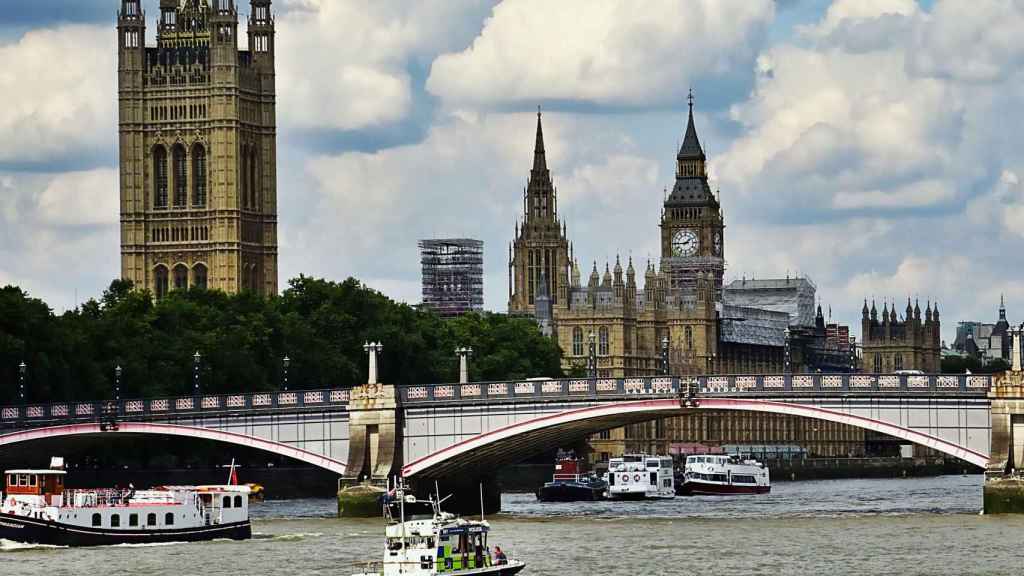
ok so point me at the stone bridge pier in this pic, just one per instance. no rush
(1004, 476)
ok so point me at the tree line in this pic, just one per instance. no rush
(242, 339)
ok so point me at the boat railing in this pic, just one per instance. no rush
(569, 477)
(80, 498)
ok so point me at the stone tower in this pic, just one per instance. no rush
(197, 148)
(540, 251)
(692, 256)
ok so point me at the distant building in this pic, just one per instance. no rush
(453, 270)
(794, 296)
(891, 344)
(981, 340)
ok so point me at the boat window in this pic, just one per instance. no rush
(22, 480)
(238, 501)
(169, 519)
(115, 520)
(151, 519)
(96, 520)
(742, 479)
(227, 502)
(133, 520)
(33, 480)
(653, 464)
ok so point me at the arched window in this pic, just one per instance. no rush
(898, 362)
(602, 341)
(238, 501)
(151, 519)
(133, 519)
(160, 281)
(160, 177)
(199, 276)
(227, 502)
(180, 277)
(97, 520)
(243, 178)
(198, 175)
(169, 519)
(878, 363)
(577, 341)
(115, 520)
(180, 176)
(689, 338)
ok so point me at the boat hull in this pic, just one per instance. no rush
(569, 492)
(35, 531)
(509, 569)
(707, 489)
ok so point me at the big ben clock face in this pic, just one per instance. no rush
(685, 243)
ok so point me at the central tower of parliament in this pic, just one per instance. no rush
(197, 148)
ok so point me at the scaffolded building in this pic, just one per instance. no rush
(453, 275)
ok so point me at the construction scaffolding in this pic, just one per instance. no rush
(453, 275)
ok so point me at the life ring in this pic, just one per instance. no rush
(636, 477)
(625, 477)
(10, 501)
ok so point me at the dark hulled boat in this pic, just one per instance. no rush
(569, 485)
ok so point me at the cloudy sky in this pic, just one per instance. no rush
(874, 145)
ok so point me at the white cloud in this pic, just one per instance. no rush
(58, 93)
(343, 64)
(600, 50)
(81, 199)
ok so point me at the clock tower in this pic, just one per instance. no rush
(692, 242)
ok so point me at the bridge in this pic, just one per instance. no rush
(310, 426)
(463, 432)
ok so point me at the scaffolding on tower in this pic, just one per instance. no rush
(453, 275)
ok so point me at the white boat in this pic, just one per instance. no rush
(421, 540)
(713, 474)
(38, 509)
(640, 476)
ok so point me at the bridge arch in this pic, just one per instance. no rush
(278, 448)
(518, 441)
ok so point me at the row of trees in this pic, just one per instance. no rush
(319, 325)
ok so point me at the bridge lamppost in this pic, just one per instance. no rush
(372, 348)
(196, 359)
(464, 353)
(285, 362)
(117, 383)
(786, 369)
(592, 356)
(664, 356)
(22, 370)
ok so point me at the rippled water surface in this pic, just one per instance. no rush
(912, 526)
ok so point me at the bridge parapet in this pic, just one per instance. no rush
(32, 414)
(760, 385)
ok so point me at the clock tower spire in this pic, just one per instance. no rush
(691, 222)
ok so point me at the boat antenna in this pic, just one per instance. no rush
(401, 507)
(481, 501)
(231, 472)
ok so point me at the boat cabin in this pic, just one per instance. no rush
(45, 485)
(462, 547)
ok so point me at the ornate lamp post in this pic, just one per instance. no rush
(117, 383)
(664, 356)
(196, 359)
(464, 353)
(22, 370)
(372, 348)
(592, 356)
(787, 365)
(285, 362)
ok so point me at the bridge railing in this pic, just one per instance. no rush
(764, 385)
(156, 407)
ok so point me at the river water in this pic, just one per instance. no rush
(830, 527)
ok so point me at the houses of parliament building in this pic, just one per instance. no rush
(681, 313)
(197, 148)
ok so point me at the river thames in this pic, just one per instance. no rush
(907, 527)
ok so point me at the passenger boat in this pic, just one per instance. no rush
(422, 540)
(708, 474)
(568, 484)
(640, 476)
(38, 509)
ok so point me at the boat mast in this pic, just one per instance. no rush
(401, 507)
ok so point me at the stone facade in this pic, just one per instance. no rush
(197, 148)
(891, 344)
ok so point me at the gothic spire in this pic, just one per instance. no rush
(540, 163)
(691, 148)
(1002, 308)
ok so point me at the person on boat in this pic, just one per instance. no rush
(499, 556)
